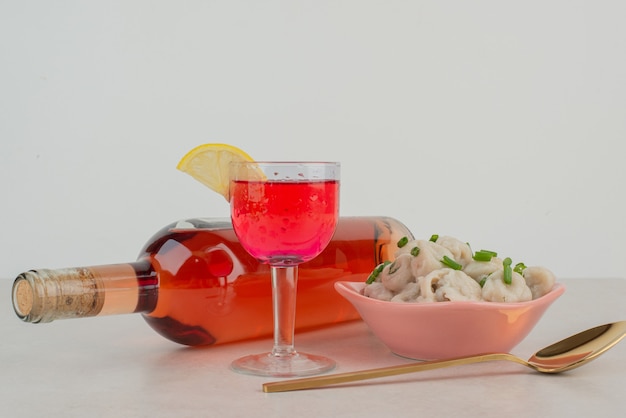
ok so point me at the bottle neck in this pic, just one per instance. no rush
(45, 295)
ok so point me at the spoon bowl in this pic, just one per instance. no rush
(561, 356)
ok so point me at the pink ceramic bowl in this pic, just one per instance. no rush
(440, 330)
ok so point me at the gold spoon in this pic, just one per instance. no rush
(564, 355)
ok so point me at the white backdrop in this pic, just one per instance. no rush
(499, 122)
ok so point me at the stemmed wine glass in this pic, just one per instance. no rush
(284, 214)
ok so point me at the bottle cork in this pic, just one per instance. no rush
(46, 295)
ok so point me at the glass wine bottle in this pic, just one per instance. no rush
(195, 285)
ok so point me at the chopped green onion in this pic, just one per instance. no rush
(403, 241)
(451, 263)
(519, 268)
(415, 251)
(434, 238)
(508, 271)
(483, 255)
(374, 275)
(371, 278)
(493, 253)
(482, 281)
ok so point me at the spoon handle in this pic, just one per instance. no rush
(320, 381)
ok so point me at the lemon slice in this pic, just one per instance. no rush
(208, 164)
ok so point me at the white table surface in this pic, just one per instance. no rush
(119, 367)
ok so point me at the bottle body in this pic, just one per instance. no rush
(195, 284)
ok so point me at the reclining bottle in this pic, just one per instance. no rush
(195, 285)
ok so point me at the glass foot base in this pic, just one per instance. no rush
(297, 364)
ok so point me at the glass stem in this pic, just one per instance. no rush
(284, 285)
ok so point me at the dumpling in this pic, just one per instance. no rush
(409, 294)
(495, 290)
(448, 285)
(477, 270)
(377, 290)
(427, 259)
(461, 251)
(540, 280)
(396, 275)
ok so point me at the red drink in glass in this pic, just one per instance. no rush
(284, 222)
